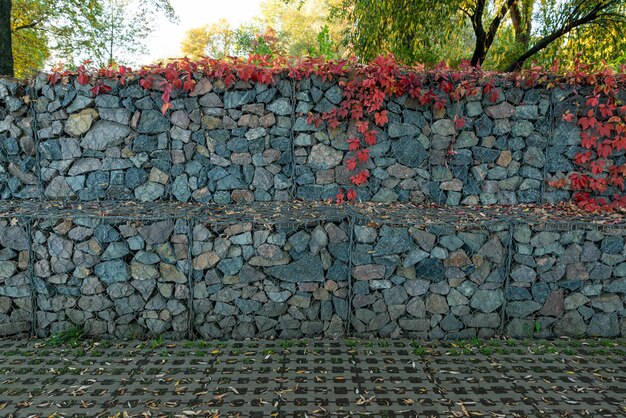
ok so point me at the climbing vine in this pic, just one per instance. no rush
(597, 184)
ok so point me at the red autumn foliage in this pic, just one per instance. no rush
(368, 88)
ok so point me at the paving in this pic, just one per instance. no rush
(314, 378)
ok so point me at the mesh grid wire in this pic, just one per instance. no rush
(15, 286)
(428, 275)
(399, 162)
(18, 163)
(220, 145)
(302, 269)
(112, 277)
(567, 280)
(271, 276)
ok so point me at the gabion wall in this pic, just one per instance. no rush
(300, 270)
(567, 281)
(251, 142)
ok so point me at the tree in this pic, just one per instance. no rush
(71, 30)
(428, 30)
(122, 30)
(38, 26)
(414, 31)
(216, 40)
(599, 18)
(299, 25)
(6, 44)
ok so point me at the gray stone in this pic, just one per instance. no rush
(105, 134)
(444, 127)
(397, 130)
(14, 237)
(323, 157)
(307, 268)
(393, 241)
(112, 271)
(409, 152)
(230, 266)
(487, 300)
(152, 122)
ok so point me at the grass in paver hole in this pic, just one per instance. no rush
(71, 337)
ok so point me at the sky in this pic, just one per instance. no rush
(165, 41)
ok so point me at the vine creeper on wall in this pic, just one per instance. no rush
(598, 184)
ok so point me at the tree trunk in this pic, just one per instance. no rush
(6, 44)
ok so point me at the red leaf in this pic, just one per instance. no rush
(165, 107)
(83, 79)
(351, 194)
(146, 83)
(459, 123)
(597, 166)
(351, 164)
(604, 150)
(363, 155)
(381, 118)
(354, 144)
(340, 198)
(567, 116)
(579, 181)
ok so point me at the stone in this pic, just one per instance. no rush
(112, 271)
(523, 274)
(502, 110)
(392, 241)
(79, 123)
(323, 157)
(409, 152)
(612, 245)
(105, 134)
(602, 325)
(171, 273)
(141, 271)
(416, 287)
(444, 127)
(156, 232)
(14, 237)
(575, 301)
(436, 304)
(368, 272)
(424, 239)
(487, 300)
(280, 107)
(58, 188)
(521, 309)
(152, 122)
(397, 130)
(554, 305)
(205, 260)
(307, 268)
(522, 128)
(571, 325)
(149, 191)
(607, 302)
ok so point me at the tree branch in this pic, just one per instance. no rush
(594, 14)
(26, 26)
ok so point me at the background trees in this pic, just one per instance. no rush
(504, 34)
(72, 30)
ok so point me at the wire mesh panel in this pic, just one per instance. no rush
(567, 279)
(112, 277)
(15, 286)
(498, 157)
(114, 146)
(236, 146)
(284, 278)
(422, 274)
(18, 175)
(398, 163)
